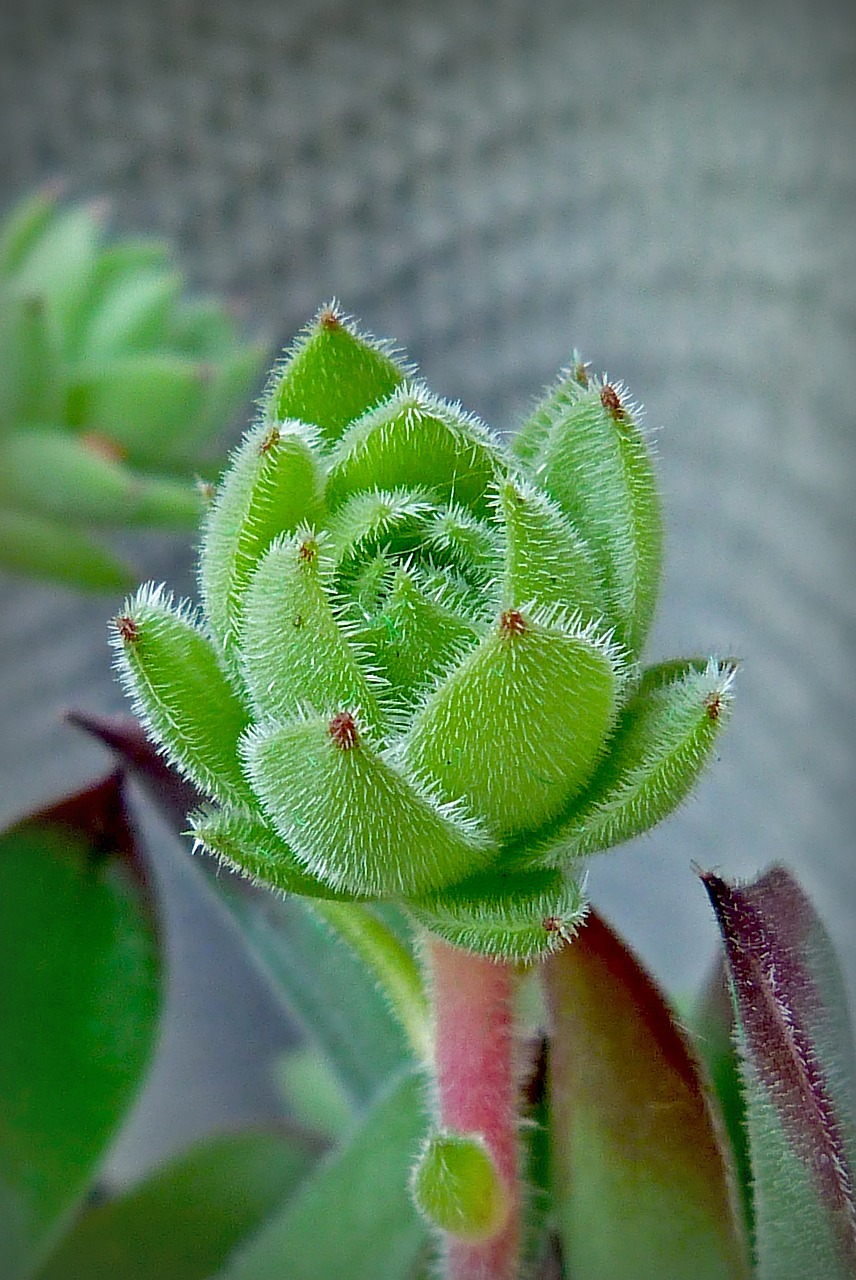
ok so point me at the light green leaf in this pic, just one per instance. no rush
(517, 728)
(352, 1217)
(331, 375)
(79, 1005)
(181, 693)
(664, 737)
(351, 817)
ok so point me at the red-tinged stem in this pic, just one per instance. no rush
(477, 1088)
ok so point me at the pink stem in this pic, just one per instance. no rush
(477, 1088)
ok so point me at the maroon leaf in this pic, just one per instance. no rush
(797, 1067)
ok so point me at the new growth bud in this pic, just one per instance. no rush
(415, 675)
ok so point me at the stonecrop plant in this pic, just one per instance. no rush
(416, 677)
(113, 384)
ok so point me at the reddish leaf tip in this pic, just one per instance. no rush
(611, 401)
(127, 628)
(512, 623)
(343, 730)
(270, 441)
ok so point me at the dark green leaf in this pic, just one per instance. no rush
(79, 1003)
(184, 1220)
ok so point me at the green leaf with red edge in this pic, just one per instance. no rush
(80, 988)
(184, 1220)
(799, 1076)
(642, 1183)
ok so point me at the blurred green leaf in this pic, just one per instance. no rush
(799, 1076)
(352, 1217)
(642, 1187)
(47, 549)
(79, 1005)
(182, 1222)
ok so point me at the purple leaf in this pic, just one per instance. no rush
(797, 1071)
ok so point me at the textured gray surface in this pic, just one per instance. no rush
(670, 188)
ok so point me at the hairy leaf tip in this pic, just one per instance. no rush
(611, 401)
(512, 623)
(127, 628)
(270, 441)
(343, 730)
(329, 319)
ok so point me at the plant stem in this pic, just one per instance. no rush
(477, 1088)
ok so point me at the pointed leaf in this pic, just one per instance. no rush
(415, 441)
(797, 1065)
(133, 314)
(331, 376)
(243, 841)
(594, 462)
(351, 817)
(52, 473)
(642, 1186)
(271, 487)
(146, 402)
(546, 560)
(184, 1220)
(180, 692)
(520, 916)
(24, 224)
(517, 728)
(59, 262)
(294, 652)
(353, 1216)
(664, 737)
(79, 1004)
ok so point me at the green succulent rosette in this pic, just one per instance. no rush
(112, 385)
(415, 671)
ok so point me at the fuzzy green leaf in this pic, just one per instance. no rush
(184, 1220)
(665, 736)
(79, 1004)
(799, 1076)
(415, 441)
(520, 916)
(412, 639)
(51, 473)
(242, 840)
(180, 692)
(294, 652)
(352, 1217)
(518, 726)
(457, 1188)
(643, 1189)
(546, 561)
(271, 486)
(47, 549)
(350, 816)
(331, 376)
(594, 462)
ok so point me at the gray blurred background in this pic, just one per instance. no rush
(671, 188)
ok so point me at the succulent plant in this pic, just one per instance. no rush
(416, 671)
(111, 386)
